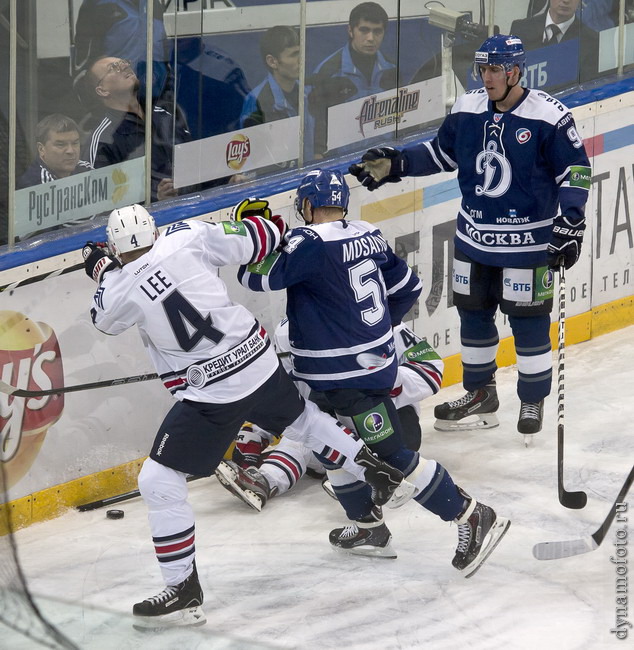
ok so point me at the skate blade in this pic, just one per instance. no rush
(327, 487)
(227, 478)
(385, 552)
(493, 538)
(192, 616)
(403, 493)
(470, 423)
(528, 439)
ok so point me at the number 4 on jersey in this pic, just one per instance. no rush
(180, 312)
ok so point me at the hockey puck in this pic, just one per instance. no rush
(114, 514)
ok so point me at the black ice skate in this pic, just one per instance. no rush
(249, 485)
(175, 606)
(475, 410)
(479, 532)
(367, 536)
(530, 420)
(388, 483)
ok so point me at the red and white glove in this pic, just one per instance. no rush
(97, 261)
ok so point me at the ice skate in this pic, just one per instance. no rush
(530, 420)
(475, 410)
(368, 536)
(175, 606)
(388, 483)
(479, 532)
(327, 487)
(249, 485)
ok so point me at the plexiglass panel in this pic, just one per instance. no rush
(238, 95)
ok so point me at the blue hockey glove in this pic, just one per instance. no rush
(565, 241)
(378, 166)
(97, 261)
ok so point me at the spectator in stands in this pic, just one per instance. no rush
(120, 135)
(560, 24)
(277, 97)
(596, 14)
(119, 28)
(58, 144)
(356, 70)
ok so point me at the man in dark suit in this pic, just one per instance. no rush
(560, 23)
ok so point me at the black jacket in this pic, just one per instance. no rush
(531, 32)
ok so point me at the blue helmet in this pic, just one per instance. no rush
(503, 50)
(322, 189)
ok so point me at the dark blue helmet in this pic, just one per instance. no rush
(322, 189)
(503, 50)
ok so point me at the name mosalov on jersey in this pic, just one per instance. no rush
(59, 200)
(363, 246)
(385, 111)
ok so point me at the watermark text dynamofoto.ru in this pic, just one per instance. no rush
(619, 559)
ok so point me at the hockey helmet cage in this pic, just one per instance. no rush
(506, 51)
(323, 189)
(130, 228)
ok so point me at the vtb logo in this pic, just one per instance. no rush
(30, 359)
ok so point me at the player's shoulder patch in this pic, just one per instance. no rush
(234, 228)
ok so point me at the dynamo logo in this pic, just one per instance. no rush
(373, 422)
(523, 135)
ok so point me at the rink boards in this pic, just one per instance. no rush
(61, 452)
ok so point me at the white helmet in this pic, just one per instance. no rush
(129, 229)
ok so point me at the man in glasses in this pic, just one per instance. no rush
(120, 135)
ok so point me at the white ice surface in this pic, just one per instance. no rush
(272, 578)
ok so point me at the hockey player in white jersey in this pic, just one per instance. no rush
(255, 477)
(218, 363)
(346, 290)
(518, 157)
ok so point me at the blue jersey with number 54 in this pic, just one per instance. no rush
(345, 290)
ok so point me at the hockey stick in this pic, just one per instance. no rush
(557, 550)
(43, 276)
(573, 500)
(19, 392)
(94, 505)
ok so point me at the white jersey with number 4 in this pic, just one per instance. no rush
(205, 347)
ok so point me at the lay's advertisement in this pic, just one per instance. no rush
(48, 341)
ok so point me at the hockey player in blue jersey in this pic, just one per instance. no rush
(518, 157)
(346, 289)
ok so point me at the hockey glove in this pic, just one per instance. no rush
(565, 241)
(97, 261)
(379, 166)
(276, 220)
(251, 207)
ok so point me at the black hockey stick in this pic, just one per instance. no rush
(19, 392)
(568, 548)
(94, 505)
(573, 500)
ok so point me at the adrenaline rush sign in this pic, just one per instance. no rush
(379, 115)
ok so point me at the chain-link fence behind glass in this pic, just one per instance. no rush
(17, 608)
